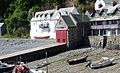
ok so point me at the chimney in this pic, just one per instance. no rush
(114, 2)
(33, 14)
(56, 7)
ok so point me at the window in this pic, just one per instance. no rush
(45, 14)
(113, 31)
(51, 14)
(114, 22)
(91, 23)
(58, 40)
(63, 40)
(99, 23)
(60, 25)
(107, 22)
(41, 15)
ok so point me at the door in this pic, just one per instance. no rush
(61, 36)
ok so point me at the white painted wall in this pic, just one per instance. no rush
(35, 30)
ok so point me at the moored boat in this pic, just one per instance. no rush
(37, 71)
(77, 60)
(41, 37)
(6, 68)
(105, 61)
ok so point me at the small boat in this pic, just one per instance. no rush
(105, 61)
(6, 68)
(42, 65)
(37, 71)
(77, 60)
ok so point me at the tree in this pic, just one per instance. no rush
(33, 10)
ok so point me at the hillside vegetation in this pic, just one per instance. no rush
(16, 14)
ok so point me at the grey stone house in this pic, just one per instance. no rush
(105, 21)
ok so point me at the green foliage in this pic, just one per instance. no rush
(34, 9)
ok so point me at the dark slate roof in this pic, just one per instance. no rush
(80, 18)
(76, 17)
(68, 21)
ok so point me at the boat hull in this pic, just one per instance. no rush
(6, 69)
(101, 65)
(41, 37)
(78, 60)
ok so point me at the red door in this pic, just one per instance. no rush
(61, 36)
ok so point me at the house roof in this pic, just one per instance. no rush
(81, 18)
(68, 21)
(87, 14)
(76, 17)
(111, 10)
(1, 24)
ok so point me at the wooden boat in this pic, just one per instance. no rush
(78, 60)
(6, 68)
(105, 61)
(42, 65)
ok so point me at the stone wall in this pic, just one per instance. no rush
(28, 57)
(113, 42)
(96, 41)
(108, 42)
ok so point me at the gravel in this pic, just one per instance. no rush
(10, 45)
(58, 63)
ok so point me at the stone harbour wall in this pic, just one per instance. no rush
(113, 42)
(96, 41)
(108, 42)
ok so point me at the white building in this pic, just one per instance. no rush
(107, 4)
(43, 24)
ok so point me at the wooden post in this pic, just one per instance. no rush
(46, 61)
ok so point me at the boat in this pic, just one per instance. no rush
(42, 65)
(6, 68)
(41, 37)
(37, 71)
(77, 60)
(105, 61)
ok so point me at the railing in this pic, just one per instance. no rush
(105, 26)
